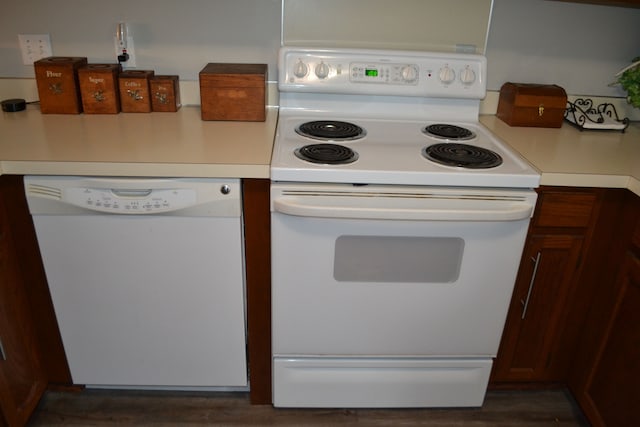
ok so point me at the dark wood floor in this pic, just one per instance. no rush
(136, 408)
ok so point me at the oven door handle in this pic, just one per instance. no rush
(414, 209)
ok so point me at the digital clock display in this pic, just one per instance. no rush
(371, 72)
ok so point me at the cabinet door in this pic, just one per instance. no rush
(624, 3)
(528, 351)
(22, 380)
(612, 397)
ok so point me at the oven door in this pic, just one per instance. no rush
(384, 271)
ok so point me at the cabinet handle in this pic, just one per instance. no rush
(2, 355)
(525, 303)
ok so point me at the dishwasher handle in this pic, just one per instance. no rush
(132, 192)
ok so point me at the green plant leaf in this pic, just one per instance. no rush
(630, 82)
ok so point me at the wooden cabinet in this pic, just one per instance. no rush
(606, 369)
(22, 379)
(612, 388)
(24, 246)
(257, 229)
(623, 3)
(544, 285)
(33, 352)
(535, 346)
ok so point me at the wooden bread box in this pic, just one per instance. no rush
(535, 105)
(233, 92)
(99, 88)
(135, 96)
(58, 87)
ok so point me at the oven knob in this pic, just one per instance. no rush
(300, 69)
(322, 70)
(467, 76)
(409, 73)
(447, 75)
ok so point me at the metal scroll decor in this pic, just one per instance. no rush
(584, 115)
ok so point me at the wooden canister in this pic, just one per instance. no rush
(233, 92)
(99, 88)
(165, 93)
(57, 81)
(134, 91)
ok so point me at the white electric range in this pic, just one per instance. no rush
(398, 222)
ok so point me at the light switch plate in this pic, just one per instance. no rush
(34, 47)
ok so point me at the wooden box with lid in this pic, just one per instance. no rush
(57, 81)
(165, 93)
(233, 92)
(99, 88)
(534, 105)
(135, 96)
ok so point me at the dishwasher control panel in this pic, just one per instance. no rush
(193, 197)
(131, 201)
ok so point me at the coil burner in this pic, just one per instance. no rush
(328, 154)
(331, 130)
(462, 155)
(449, 132)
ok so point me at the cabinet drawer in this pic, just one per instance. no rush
(564, 209)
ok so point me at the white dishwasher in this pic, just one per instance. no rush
(146, 277)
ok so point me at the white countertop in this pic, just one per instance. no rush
(135, 144)
(570, 157)
(181, 144)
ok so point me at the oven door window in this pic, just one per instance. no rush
(397, 259)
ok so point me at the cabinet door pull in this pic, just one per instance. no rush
(525, 303)
(2, 355)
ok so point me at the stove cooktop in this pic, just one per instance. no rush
(358, 116)
(395, 152)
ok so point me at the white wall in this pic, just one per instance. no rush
(577, 46)
(384, 24)
(170, 36)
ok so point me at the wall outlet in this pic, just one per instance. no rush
(131, 62)
(34, 47)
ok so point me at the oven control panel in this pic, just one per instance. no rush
(379, 72)
(400, 74)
